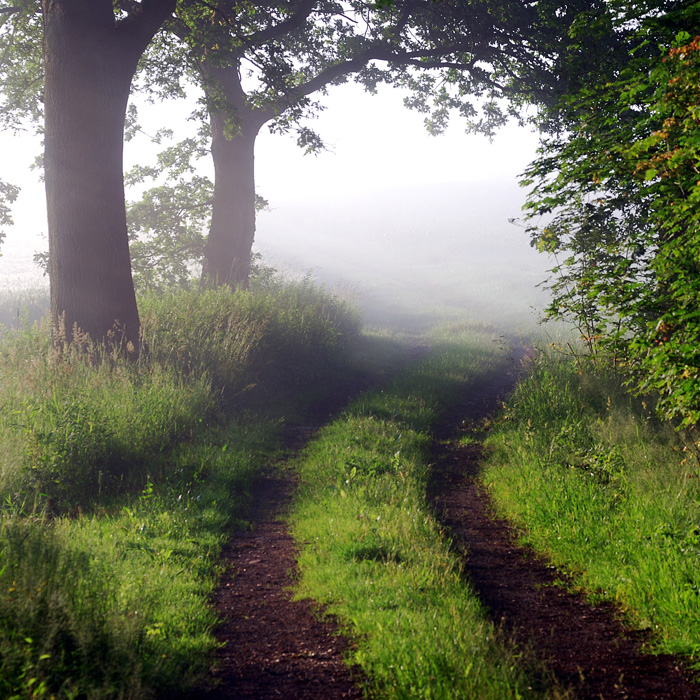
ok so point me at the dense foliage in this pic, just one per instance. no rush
(620, 182)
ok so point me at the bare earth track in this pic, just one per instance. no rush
(274, 647)
(585, 646)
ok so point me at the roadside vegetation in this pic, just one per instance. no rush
(120, 480)
(607, 491)
(373, 554)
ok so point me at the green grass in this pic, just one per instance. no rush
(608, 493)
(119, 482)
(115, 604)
(373, 554)
(291, 333)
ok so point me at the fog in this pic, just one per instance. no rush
(414, 228)
(415, 256)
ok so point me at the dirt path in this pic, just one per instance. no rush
(274, 647)
(586, 647)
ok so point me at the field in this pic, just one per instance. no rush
(122, 482)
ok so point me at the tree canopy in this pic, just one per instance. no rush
(265, 64)
(620, 181)
(615, 89)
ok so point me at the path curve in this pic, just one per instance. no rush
(271, 645)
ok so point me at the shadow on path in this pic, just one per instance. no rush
(272, 645)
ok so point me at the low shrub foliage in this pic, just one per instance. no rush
(289, 333)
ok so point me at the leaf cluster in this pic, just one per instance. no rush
(483, 60)
(21, 66)
(618, 184)
(8, 194)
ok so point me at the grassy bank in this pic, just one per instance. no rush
(607, 492)
(373, 554)
(119, 481)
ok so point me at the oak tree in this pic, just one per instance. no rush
(80, 87)
(262, 64)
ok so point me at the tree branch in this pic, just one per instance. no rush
(412, 58)
(283, 28)
(142, 22)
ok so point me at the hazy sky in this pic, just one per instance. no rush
(376, 147)
(376, 143)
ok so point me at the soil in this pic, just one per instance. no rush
(275, 647)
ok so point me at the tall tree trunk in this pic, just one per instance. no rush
(234, 130)
(90, 60)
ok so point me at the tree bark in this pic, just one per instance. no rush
(234, 130)
(228, 249)
(90, 59)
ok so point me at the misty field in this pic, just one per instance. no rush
(416, 257)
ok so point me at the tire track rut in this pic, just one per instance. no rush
(585, 646)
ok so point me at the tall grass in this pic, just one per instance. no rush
(373, 554)
(118, 482)
(290, 333)
(22, 308)
(76, 429)
(607, 492)
(115, 604)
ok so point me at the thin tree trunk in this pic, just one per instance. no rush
(234, 130)
(89, 62)
(232, 231)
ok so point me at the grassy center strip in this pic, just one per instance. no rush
(372, 552)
